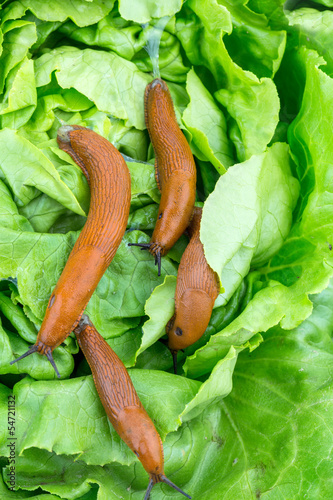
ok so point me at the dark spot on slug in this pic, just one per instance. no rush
(170, 323)
(137, 453)
(160, 216)
(179, 331)
(52, 299)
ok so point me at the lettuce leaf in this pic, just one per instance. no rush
(248, 100)
(18, 36)
(288, 378)
(26, 170)
(315, 31)
(303, 264)
(101, 69)
(255, 199)
(82, 13)
(204, 119)
(144, 11)
(248, 414)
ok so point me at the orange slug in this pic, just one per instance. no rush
(110, 186)
(196, 291)
(175, 171)
(122, 404)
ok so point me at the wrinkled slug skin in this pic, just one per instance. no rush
(196, 291)
(175, 169)
(110, 186)
(120, 400)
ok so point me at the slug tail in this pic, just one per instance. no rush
(150, 487)
(32, 349)
(170, 483)
(63, 133)
(51, 360)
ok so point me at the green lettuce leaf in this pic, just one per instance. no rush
(279, 412)
(82, 13)
(207, 125)
(273, 10)
(9, 214)
(248, 100)
(18, 37)
(142, 11)
(38, 259)
(254, 397)
(328, 3)
(154, 327)
(255, 200)
(20, 103)
(304, 264)
(89, 435)
(18, 319)
(315, 31)
(27, 170)
(252, 44)
(171, 65)
(111, 32)
(288, 378)
(74, 68)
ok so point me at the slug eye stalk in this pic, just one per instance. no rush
(158, 262)
(143, 246)
(51, 360)
(162, 478)
(174, 359)
(148, 246)
(33, 349)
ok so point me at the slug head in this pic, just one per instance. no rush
(138, 431)
(191, 319)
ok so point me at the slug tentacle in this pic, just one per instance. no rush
(32, 349)
(154, 249)
(144, 246)
(174, 360)
(173, 485)
(51, 360)
(158, 262)
(42, 349)
(154, 478)
(150, 487)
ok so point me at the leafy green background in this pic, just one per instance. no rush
(250, 415)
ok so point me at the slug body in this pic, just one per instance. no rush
(110, 186)
(196, 291)
(121, 402)
(175, 170)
